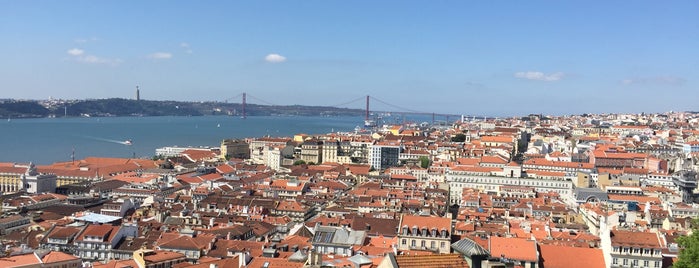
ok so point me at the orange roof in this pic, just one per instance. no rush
(133, 177)
(107, 232)
(514, 248)
(544, 162)
(500, 139)
(427, 222)
(638, 198)
(476, 169)
(273, 263)
(635, 239)
(432, 260)
(20, 260)
(57, 256)
(604, 154)
(493, 159)
(403, 177)
(553, 256)
(359, 169)
(468, 161)
(198, 155)
(547, 173)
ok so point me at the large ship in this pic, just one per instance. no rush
(369, 123)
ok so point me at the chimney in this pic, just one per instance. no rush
(212, 265)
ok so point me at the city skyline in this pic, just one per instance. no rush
(446, 57)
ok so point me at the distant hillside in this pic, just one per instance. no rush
(22, 109)
(127, 107)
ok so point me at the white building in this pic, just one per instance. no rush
(460, 180)
(383, 156)
(34, 182)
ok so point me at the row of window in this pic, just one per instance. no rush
(645, 251)
(423, 243)
(634, 263)
(424, 232)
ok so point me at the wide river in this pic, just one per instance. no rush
(49, 140)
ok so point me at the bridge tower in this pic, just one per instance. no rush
(366, 113)
(244, 114)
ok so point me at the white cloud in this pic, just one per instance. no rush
(539, 76)
(666, 80)
(85, 40)
(275, 58)
(160, 56)
(98, 60)
(186, 47)
(80, 56)
(76, 52)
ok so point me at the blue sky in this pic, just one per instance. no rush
(463, 57)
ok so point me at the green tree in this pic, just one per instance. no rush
(689, 248)
(424, 161)
(461, 137)
(299, 162)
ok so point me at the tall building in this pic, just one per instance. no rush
(235, 148)
(311, 151)
(138, 94)
(383, 156)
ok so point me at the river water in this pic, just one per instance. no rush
(48, 140)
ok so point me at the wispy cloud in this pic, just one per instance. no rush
(98, 60)
(665, 80)
(75, 52)
(187, 48)
(85, 40)
(160, 56)
(275, 58)
(539, 76)
(80, 56)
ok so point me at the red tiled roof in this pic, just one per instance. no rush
(513, 248)
(635, 239)
(56, 256)
(554, 256)
(433, 260)
(427, 222)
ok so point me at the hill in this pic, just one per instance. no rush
(129, 107)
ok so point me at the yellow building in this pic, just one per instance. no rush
(11, 178)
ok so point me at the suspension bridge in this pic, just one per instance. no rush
(385, 108)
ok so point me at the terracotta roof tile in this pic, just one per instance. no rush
(434, 260)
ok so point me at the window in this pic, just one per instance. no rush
(442, 244)
(626, 261)
(635, 251)
(404, 242)
(413, 243)
(615, 261)
(433, 244)
(645, 263)
(635, 262)
(657, 264)
(422, 243)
